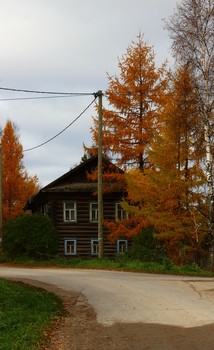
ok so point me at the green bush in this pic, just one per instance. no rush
(191, 268)
(167, 264)
(30, 235)
(146, 247)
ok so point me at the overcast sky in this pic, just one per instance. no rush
(67, 46)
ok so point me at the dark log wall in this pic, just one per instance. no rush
(82, 230)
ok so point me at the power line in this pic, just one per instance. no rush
(34, 98)
(59, 133)
(48, 92)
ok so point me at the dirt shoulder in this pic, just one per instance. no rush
(79, 330)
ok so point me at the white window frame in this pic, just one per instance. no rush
(73, 251)
(93, 218)
(120, 244)
(94, 246)
(70, 211)
(123, 214)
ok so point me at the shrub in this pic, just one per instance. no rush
(30, 235)
(167, 264)
(146, 247)
(191, 268)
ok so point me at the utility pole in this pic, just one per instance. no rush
(99, 179)
(1, 194)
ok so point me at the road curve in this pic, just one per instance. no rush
(132, 297)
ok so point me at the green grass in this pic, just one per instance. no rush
(25, 312)
(119, 264)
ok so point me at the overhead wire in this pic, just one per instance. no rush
(59, 133)
(48, 92)
(35, 98)
(55, 94)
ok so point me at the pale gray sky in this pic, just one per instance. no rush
(68, 46)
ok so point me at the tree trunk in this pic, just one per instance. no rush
(210, 192)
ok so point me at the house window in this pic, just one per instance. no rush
(93, 212)
(70, 212)
(44, 209)
(120, 213)
(122, 245)
(70, 247)
(94, 246)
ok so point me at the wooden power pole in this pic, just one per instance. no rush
(99, 180)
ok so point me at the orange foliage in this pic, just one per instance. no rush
(170, 195)
(125, 228)
(17, 186)
(134, 98)
(160, 200)
(112, 177)
(153, 125)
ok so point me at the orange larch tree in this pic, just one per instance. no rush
(134, 98)
(192, 32)
(171, 192)
(17, 186)
(168, 196)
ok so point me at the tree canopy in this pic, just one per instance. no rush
(18, 187)
(192, 32)
(134, 98)
(169, 194)
(158, 128)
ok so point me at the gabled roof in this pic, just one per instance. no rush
(76, 179)
(70, 173)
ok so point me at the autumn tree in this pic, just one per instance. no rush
(17, 185)
(167, 196)
(134, 98)
(192, 32)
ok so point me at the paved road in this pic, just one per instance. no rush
(133, 297)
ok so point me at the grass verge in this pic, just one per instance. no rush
(121, 263)
(25, 312)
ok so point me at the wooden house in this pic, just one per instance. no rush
(71, 202)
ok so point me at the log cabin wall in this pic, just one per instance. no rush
(83, 231)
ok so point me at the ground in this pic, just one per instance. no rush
(78, 329)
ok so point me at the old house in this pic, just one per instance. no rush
(71, 202)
